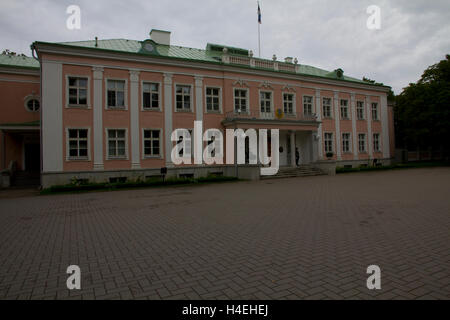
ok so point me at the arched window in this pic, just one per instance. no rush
(32, 104)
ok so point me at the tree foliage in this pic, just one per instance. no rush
(422, 110)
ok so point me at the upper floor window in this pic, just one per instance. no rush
(240, 100)
(265, 100)
(326, 103)
(288, 103)
(360, 110)
(307, 105)
(116, 93)
(212, 99)
(344, 110)
(183, 97)
(152, 143)
(375, 111)
(328, 142)
(150, 96)
(376, 142)
(346, 142)
(78, 143)
(78, 90)
(117, 143)
(362, 142)
(32, 105)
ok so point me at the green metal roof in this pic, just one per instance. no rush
(18, 61)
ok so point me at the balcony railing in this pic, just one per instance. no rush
(257, 115)
(261, 63)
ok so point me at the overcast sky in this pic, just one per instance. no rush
(329, 34)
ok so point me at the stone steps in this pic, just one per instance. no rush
(301, 171)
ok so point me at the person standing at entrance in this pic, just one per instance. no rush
(297, 156)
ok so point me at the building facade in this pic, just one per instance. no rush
(109, 108)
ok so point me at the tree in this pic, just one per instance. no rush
(391, 95)
(422, 110)
(12, 53)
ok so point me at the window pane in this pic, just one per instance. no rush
(121, 133)
(111, 133)
(72, 81)
(146, 87)
(111, 85)
(73, 153)
(111, 99)
(120, 99)
(72, 133)
(120, 85)
(146, 100)
(154, 86)
(155, 134)
(83, 96)
(82, 83)
(82, 133)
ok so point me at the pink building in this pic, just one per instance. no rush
(109, 108)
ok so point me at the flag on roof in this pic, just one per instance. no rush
(259, 14)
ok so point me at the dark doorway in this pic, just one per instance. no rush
(32, 157)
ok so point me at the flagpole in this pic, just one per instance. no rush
(259, 31)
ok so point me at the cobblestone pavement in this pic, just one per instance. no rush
(300, 238)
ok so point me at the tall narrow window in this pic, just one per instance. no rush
(308, 106)
(116, 94)
(265, 100)
(78, 144)
(362, 142)
(360, 110)
(152, 143)
(375, 111)
(288, 103)
(117, 143)
(213, 99)
(328, 141)
(326, 103)
(344, 109)
(346, 142)
(376, 142)
(183, 98)
(150, 96)
(78, 88)
(240, 100)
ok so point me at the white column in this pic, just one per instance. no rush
(168, 117)
(98, 118)
(319, 129)
(354, 137)
(337, 118)
(369, 127)
(385, 126)
(134, 115)
(293, 164)
(52, 109)
(198, 158)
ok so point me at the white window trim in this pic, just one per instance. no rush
(348, 110)
(380, 148)
(333, 142)
(378, 111)
(294, 103)
(313, 105)
(363, 109)
(220, 100)
(161, 144)
(108, 157)
(331, 108)
(349, 142)
(247, 100)
(365, 142)
(272, 106)
(28, 99)
(73, 159)
(159, 109)
(79, 106)
(191, 98)
(125, 107)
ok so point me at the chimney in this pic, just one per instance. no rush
(160, 36)
(288, 59)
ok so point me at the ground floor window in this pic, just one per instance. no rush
(362, 142)
(328, 142)
(152, 143)
(78, 143)
(346, 142)
(117, 143)
(376, 142)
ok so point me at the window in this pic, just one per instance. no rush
(117, 143)
(213, 99)
(240, 100)
(328, 140)
(376, 142)
(152, 143)
(374, 111)
(346, 142)
(307, 105)
(78, 143)
(265, 101)
(32, 105)
(362, 142)
(189, 141)
(288, 103)
(344, 109)
(183, 97)
(326, 103)
(150, 96)
(360, 110)
(116, 93)
(78, 88)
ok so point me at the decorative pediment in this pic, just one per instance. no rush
(240, 83)
(266, 85)
(288, 87)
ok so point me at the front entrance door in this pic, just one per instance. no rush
(32, 157)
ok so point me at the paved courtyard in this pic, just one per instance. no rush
(301, 238)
